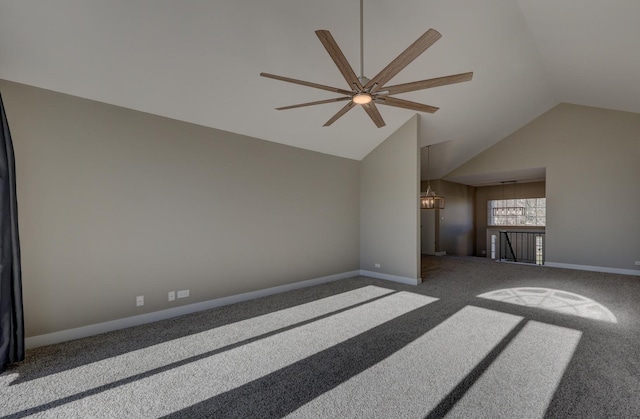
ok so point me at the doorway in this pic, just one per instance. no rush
(428, 232)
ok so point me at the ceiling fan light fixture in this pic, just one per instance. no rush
(361, 98)
(372, 92)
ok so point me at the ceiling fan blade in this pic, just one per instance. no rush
(338, 57)
(319, 102)
(401, 103)
(307, 83)
(374, 114)
(407, 56)
(426, 84)
(341, 112)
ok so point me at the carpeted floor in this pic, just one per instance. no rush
(540, 342)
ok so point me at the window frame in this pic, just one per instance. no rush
(534, 209)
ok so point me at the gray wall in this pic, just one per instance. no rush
(507, 191)
(592, 165)
(115, 203)
(389, 214)
(455, 221)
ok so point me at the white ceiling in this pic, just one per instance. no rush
(199, 61)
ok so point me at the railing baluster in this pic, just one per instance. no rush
(522, 246)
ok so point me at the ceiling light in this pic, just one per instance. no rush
(429, 199)
(361, 98)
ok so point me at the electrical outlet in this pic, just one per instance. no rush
(377, 265)
(638, 262)
(139, 300)
(183, 294)
(172, 295)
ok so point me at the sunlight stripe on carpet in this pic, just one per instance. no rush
(179, 388)
(412, 381)
(522, 380)
(69, 382)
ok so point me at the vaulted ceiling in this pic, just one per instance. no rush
(199, 61)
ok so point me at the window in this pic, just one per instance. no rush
(527, 212)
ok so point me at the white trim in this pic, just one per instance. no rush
(394, 278)
(592, 268)
(96, 329)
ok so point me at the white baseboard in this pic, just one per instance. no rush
(593, 268)
(394, 278)
(96, 329)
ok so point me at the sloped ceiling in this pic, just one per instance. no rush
(199, 61)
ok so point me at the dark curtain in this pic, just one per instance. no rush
(11, 318)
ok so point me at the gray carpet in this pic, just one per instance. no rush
(362, 348)
(412, 381)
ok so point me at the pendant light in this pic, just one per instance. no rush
(429, 199)
(505, 210)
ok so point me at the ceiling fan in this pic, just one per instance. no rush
(369, 92)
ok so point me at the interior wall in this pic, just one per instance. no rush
(451, 228)
(115, 203)
(428, 229)
(507, 191)
(389, 207)
(591, 158)
(455, 221)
